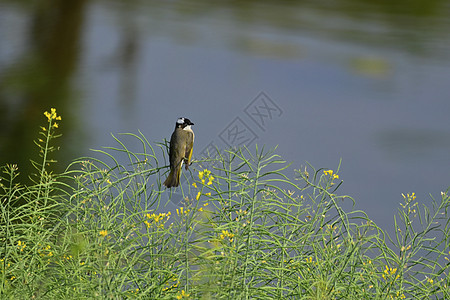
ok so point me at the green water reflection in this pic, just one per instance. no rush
(40, 78)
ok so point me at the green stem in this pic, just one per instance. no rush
(249, 239)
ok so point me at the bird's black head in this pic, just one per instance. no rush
(183, 122)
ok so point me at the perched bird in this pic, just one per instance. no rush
(181, 144)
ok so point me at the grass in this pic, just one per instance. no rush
(104, 229)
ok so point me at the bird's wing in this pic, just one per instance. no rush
(189, 148)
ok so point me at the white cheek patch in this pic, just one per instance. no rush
(188, 128)
(180, 121)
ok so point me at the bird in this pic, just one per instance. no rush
(180, 150)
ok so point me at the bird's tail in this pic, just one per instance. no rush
(173, 179)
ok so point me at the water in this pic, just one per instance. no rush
(364, 82)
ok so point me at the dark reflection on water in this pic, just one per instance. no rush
(343, 71)
(38, 77)
(413, 143)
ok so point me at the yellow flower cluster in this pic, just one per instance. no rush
(226, 234)
(46, 251)
(204, 205)
(171, 284)
(389, 272)
(68, 257)
(182, 295)
(182, 211)
(21, 245)
(408, 198)
(397, 295)
(240, 214)
(199, 194)
(1, 262)
(206, 174)
(158, 219)
(52, 116)
(103, 233)
(405, 248)
(330, 173)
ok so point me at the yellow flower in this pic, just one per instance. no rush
(194, 185)
(55, 125)
(205, 173)
(226, 234)
(409, 197)
(182, 295)
(21, 245)
(158, 218)
(198, 196)
(103, 233)
(405, 248)
(330, 173)
(389, 272)
(52, 115)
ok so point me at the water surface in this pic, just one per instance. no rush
(364, 82)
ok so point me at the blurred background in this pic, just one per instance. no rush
(364, 81)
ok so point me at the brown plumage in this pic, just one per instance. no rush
(181, 145)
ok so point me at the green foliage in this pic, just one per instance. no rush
(245, 230)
